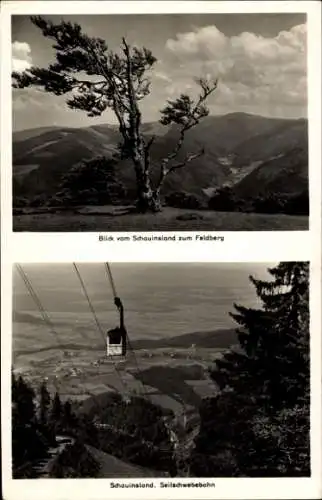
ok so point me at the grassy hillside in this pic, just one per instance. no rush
(22, 135)
(173, 382)
(286, 174)
(170, 219)
(169, 386)
(278, 140)
(225, 133)
(54, 152)
(80, 461)
(112, 467)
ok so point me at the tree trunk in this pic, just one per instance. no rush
(148, 199)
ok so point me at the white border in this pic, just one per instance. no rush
(157, 7)
(238, 246)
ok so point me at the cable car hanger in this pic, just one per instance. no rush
(122, 330)
(117, 337)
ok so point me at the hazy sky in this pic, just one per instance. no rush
(260, 60)
(159, 299)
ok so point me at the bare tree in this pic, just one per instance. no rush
(96, 78)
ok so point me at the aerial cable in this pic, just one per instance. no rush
(39, 305)
(49, 324)
(96, 320)
(43, 312)
(112, 283)
(110, 276)
(34, 296)
(89, 302)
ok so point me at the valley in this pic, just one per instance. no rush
(175, 379)
(172, 377)
(171, 373)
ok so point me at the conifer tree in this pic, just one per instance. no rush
(69, 419)
(274, 340)
(27, 442)
(263, 386)
(23, 415)
(96, 78)
(44, 404)
(56, 412)
(24, 401)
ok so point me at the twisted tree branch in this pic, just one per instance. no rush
(187, 160)
(190, 119)
(164, 171)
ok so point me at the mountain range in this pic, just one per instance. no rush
(238, 146)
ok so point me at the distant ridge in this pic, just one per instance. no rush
(216, 339)
(233, 141)
(28, 133)
(153, 123)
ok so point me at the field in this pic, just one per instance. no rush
(170, 219)
(171, 378)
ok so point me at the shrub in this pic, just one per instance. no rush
(38, 201)
(270, 204)
(182, 199)
(223, 200)
(20, 201)
(75, 461)
(298, 204)
(91, 182)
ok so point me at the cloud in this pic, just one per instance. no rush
(267, 74)
(257, 74)
(162, 76)
(21, 56)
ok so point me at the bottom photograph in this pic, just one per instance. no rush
(138, 370)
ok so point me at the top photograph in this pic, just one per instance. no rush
(164, 122)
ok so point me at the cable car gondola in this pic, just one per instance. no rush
(116, 338)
